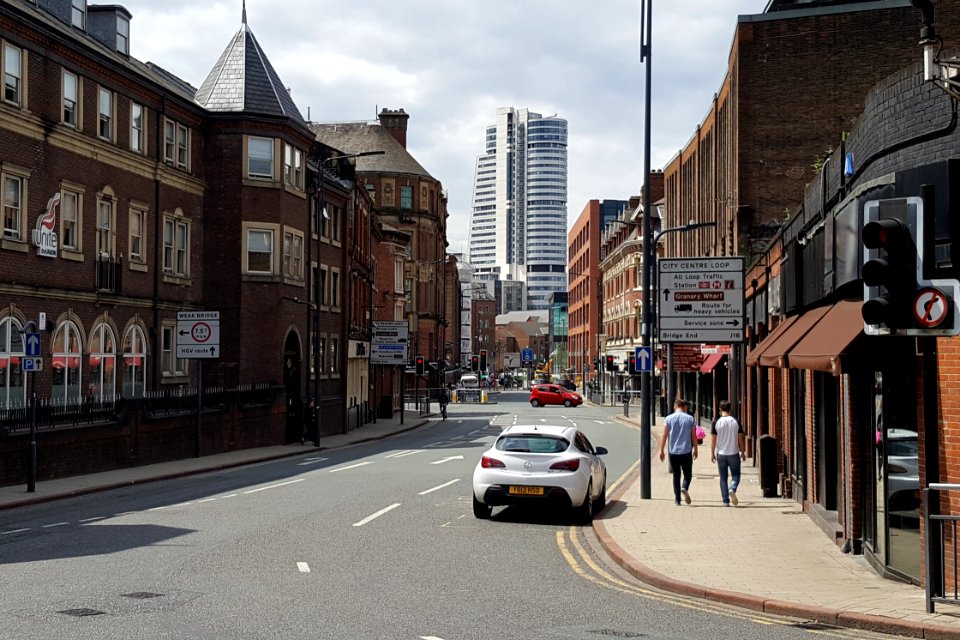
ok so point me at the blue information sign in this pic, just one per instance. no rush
(32, 348)
(644, 359)
(526, 355)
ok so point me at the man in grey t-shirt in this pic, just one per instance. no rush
(727, 450)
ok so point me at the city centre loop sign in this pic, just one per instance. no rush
(700, 300)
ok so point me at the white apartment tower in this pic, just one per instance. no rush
(518, 226)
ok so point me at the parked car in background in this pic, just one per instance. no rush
(903, 470)
(541, 464)
(569, 385)
(545, 394)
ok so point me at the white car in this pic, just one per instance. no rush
(530, 464)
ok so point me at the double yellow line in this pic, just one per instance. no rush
(583, 564)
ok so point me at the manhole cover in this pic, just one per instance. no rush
(614, 633)
(141, 595)
(81, 613)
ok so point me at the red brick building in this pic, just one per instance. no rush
(130, 196)
(584, 302)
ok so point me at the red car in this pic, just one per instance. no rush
(544, 394)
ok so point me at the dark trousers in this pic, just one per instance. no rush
(681, 462)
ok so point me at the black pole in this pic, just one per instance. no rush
(402, 391)
(196, 443)
(648, 252)
(32, 469)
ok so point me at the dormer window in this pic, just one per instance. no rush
(79, 13)
(123, 36)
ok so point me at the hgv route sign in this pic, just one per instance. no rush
(198, 334)
(700, 300)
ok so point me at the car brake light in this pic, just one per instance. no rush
(491, 463)
(566, 465)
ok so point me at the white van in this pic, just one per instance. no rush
(469, 381)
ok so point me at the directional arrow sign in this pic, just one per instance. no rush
(703, 300)
(33, 345)
(442, 460)
(643, 357)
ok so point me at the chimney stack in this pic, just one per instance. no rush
(396, 123)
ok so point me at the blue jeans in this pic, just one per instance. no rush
(729, 464)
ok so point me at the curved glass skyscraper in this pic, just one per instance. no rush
(518, 226)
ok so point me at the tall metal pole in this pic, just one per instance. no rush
(32, 470)
(649, 251)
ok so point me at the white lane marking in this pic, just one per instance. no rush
(303, 567)
(353, 466)
(232, 495)
(274, 486)
(572, 423)
(404, 454)
(376, 515)
(310, 461)
(93, 518)
(438, 487)
(156, 508)
(600, 422)
(430, 638)
(447, 459)
(55, 524)
(124, 513)
(437, 444)
(183, 504)
(206, 500)
(6, 533)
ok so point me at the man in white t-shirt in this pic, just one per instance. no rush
(727, 450)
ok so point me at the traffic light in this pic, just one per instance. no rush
(611, 364)
(474, 363)
(889, 268)
(419, 365)
(483, 359)
(632, 364)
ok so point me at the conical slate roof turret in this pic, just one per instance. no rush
(243, 80)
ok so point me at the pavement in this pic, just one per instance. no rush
(762, 555)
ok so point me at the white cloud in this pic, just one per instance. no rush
(451, 63)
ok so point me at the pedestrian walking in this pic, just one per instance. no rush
(680, 431)
(443, 399)
(727, 450)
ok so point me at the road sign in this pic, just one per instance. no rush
(390, 354)
(198, 334)
(700, 300)
(32, 347)
(390, 332)
(511, 360)
(526, 356)
(930, 307)
(31, 364)
(644, 359)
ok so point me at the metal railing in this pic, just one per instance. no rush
(940, 550)
(52, 414)
(109, 274)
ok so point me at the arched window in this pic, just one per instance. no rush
(103, 365)
(135, 363)
(66, 364)
(13, 390)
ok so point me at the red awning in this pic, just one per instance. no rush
(133, 361)
(72, 362)
(712, 361)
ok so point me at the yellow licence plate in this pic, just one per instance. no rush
(525, 491)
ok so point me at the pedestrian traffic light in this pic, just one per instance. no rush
(611, 364)
(483, 359)
(474, 363)
(889, 269)
(419, 366)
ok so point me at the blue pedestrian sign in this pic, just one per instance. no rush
(526, 355)
(33, 345)
(644, 359)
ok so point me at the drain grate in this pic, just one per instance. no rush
(614, 633)
(81, 613)
(813, 625)
(141, 595)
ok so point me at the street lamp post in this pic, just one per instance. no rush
(318, 285)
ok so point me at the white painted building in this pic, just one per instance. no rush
(518, 226)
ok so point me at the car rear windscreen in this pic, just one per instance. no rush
(532, 443)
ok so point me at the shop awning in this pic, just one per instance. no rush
(825, 344)
(753, 358)
(775, 354)
(712, 361)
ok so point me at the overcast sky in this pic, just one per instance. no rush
(451, 63)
